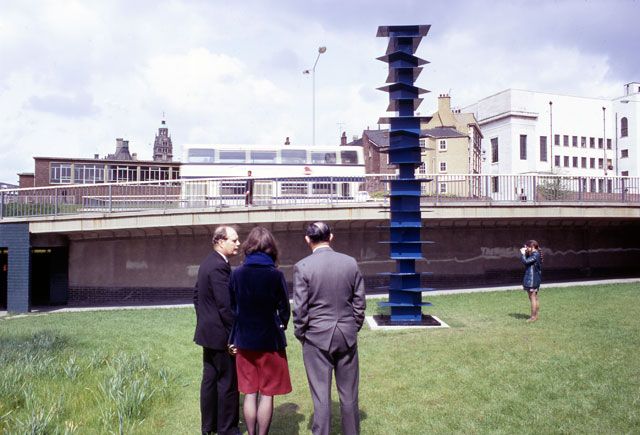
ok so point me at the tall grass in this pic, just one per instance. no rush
(577, 370)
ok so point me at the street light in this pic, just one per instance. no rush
(313, 76)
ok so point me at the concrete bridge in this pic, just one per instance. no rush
(153, 255)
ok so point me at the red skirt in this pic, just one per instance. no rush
(266, 372)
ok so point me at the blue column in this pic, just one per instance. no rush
(405, 292)
(15, 237)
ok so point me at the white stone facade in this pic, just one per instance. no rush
(520, 127)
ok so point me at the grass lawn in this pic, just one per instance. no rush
(577, 370)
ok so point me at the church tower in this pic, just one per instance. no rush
(162, 146)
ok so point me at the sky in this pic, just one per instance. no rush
(75, 75)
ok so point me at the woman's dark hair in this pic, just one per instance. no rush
(533, 244)
(261, 240)
(319, 232)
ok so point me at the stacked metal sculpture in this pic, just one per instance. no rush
(405, 292)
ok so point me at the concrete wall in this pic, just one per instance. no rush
(466, 253)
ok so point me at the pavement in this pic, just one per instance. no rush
(61, 309)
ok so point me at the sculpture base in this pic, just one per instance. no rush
(383, 321)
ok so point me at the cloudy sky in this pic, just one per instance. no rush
(75, 75)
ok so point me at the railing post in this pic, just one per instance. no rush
(165, 195)
(580, 189)
(55, 208)
(331, 190)
(486, 187)
(623, 187)
(437, 189)
(110, 197)
(1, 205)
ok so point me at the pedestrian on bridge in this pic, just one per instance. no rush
(531, 255)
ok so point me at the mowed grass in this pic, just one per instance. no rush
(577, 370)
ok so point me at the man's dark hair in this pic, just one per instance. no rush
(319, 232)
(260, 239)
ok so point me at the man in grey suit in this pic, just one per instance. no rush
(328, 311)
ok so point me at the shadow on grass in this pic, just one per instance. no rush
(519, 315)
(336, 419)
(286, 419)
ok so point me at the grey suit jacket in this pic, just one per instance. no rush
(328, 292)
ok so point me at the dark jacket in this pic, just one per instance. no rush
(260, 304)
(211, 301)
(533, 270)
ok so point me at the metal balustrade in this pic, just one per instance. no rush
(273, 192)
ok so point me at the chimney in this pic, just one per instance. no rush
(134, 156)
(286, 142)
(125, 144)
(343, 139)
(96, 156)
(118, 143)
(444, 103)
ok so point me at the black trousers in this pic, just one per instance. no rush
(219, 397)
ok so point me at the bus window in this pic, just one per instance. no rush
(349, 157)
(263, 156)
(323, 188)
(200, 155)
(294, 156)
(323, 157)
(294, 188)
(232, 157)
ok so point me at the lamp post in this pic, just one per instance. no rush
(313, 76)
(604, 139)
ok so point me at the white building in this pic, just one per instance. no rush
(533, 132)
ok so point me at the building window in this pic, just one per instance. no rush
(624, 154)
(87, 174)
(556, 139)
(600, 163)
(592, 142)
(60, 173)
(583, 142)
(565, 140)
(609, 164)
(423, 143)
(592, 163)
(557, 161)
(122, 173)
(494, 150)
(543, 148)
(608, 144)
(575, 162)
(583, 162)
(566, 161)
(443, 166)
(442, 144)
(422, 169)
(624, 127)
(574, 141)
(442, 188)
(523, 147)
(600, 143)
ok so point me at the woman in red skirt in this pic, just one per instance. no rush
(260, 304)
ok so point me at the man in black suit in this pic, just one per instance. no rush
(248, 190)
(328, 311)
(219, 398)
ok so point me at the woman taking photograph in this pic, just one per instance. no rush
(260, 304)
(532, 260)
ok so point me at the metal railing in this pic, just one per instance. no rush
(230, 192)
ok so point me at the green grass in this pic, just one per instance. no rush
(138, 371)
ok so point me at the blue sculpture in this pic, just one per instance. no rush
(405, 292)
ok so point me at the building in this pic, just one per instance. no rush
(528, 132)
(452, 145)
(162, 145)
(121, 166)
